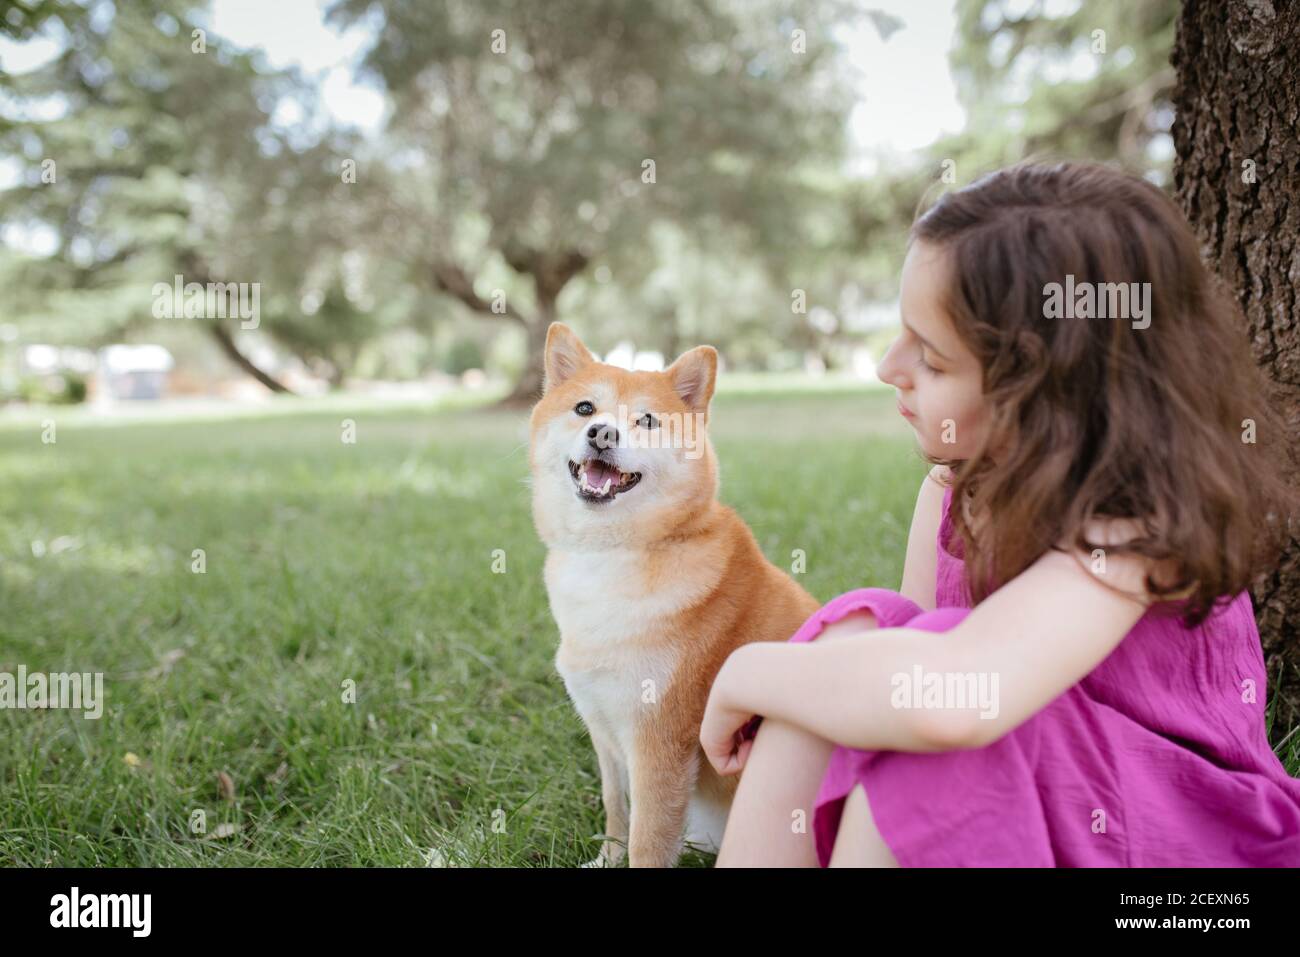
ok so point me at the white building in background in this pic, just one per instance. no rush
(40, 359)
(134, 372)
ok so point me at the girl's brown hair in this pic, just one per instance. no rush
(1093, 418)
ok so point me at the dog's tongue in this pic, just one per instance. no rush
(598, 472)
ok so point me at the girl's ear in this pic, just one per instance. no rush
(693, 376)
(564, 355)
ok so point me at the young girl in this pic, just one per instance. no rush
(1071, 674)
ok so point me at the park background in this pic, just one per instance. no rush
(417, 189)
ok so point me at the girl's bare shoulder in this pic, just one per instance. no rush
(1107, 561)
(940, 475)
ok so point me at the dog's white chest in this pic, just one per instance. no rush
(612, 697)
(614, 669)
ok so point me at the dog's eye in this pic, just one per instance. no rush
(584, 408)
(648, 421)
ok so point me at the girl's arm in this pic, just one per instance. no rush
(919, 565)
(1039, 634)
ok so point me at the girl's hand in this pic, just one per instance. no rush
(727, 731)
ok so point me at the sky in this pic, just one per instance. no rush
(294, 33)
(906, 96)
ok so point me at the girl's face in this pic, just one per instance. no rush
(939, 380)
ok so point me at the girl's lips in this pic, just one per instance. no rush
(903, 410)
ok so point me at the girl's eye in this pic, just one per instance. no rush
(648, 421)
(920, 361)
(584, 408)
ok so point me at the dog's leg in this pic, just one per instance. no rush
(710, 805)
(614, 794)
(663, 777)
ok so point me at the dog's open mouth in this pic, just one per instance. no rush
(600, 481)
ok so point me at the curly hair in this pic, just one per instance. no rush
(1169, 424)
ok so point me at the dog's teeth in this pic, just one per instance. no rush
(605, 490)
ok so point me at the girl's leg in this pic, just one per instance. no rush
(781, 778)
(771, 817)
(857, 842)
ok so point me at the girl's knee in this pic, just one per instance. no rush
(854, 623)
(888, 608)
(938, 619)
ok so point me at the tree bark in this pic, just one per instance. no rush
(1237, 177)
(529, 387)
(550, 273)
(227, 344)
(191, 265)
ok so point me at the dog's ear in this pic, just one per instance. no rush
(693, 376)
(564, 355)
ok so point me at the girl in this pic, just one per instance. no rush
(1071, 675)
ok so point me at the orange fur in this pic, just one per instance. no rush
(652, 591)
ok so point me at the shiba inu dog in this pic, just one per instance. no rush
(653, 583)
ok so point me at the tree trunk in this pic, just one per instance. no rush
(1237, 136)
(529, 387)
(550, 274)
(227, 344)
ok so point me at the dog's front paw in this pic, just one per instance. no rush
(611, 854)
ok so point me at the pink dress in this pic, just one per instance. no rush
(1157, 758)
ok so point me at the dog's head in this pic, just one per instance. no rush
(614, 451)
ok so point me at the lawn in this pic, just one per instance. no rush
(335, 570)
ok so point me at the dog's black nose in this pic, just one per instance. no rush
(602, 437)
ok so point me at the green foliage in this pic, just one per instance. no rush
(1037, 82)
(22, 19)
(1013, 69)
(622, 138)
(465, 354)
(333, 332)
(66, 388)
(149, 157)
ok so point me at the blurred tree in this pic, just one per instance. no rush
(1050, 80)
(1238, 180)
(149, 149)
(1084, 80)
(336, 330)
(22, 19)
(516, 166)
(531, 139)
(464, 354)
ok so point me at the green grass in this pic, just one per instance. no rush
(328, 562)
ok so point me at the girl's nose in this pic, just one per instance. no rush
(890, 370)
